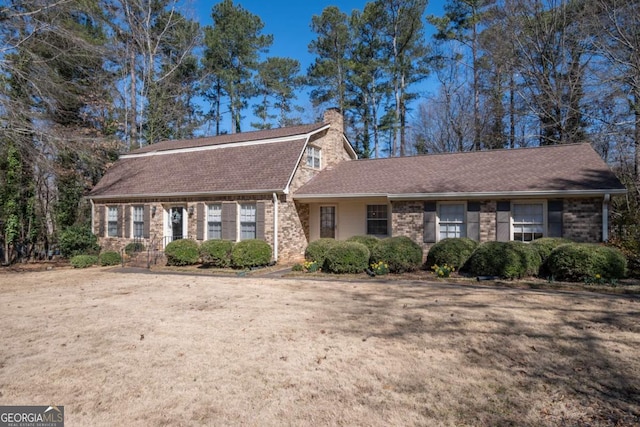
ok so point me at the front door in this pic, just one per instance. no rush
(328, 222)
(176, 216)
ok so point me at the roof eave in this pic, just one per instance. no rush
(464, 195)
(183, 195)
(505, 194)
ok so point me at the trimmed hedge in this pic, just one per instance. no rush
(78, 240)
(216, 253)
(546, 245)
(400, 253)
(347, 257)
(317, 250)
(583, 261)
(452, 251)
(510, 260)
(83, 261)
(133, 248)
(182, 252)
(250, 253)
(369, 241)
(109, 258)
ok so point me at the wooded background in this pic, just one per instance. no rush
(82, 81)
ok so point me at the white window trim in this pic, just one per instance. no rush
(366, 225)
(206, 222)
(239, 219)
(108, 221)
(454, 202)
(133, 221)
(545, 212)
(319, 153)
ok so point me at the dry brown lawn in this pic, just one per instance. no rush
(166, 349)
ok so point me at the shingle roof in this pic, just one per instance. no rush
(563, 168)
(230, 138)
(260, 167)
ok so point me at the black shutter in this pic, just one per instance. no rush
(554, 218)
(473, 220)
(146, 226)
(101, 220)
(120, 220)
(127, 221)
(429, 222)
(503, 222)
(200, 220)
(260, 221)
(229, 214)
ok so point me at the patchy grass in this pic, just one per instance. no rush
(165, 349)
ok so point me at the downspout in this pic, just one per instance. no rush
(605, 217)
(275, 227)
(93, 213)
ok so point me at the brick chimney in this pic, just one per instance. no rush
(334, 117)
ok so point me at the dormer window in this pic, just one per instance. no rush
(313, 157)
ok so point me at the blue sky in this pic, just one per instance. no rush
(289, 23)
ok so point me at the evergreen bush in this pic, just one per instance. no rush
(250, 253)
(583, 261)
(83, 261)
(216, 253)
(109, 258)
(182, 252)
(509, 260)
(134, 247)
(369, 241)
(78, 240)
(317, 250)
(453, 252)
(347, 257)
(400, 253)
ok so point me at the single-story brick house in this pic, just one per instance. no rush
(293, 185)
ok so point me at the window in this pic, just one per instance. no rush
(377, 223)
(528, 221)
(328, 222)
(452, 221)
(112, 221)
(214, 222)
(247, 221)
(138, 221)
(313, 157)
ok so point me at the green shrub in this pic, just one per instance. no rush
(83, 261)
(317, 250)
(134, 247)
(400, 253)
(297, 267)
(546, 245)
(182, 252)
(347, 257)
(453, 252)
(582, 261)
(504, 259)
(109, 258)
(250, 253)
(369, 241)
(78, 240)
(216, 253)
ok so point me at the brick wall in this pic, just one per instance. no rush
(582, 220)
(407, 220)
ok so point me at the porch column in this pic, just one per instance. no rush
(605, 217)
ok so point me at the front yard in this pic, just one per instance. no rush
(163, 349)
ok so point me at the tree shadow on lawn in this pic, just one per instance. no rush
(533, 357)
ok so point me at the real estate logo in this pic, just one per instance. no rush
(31, 416)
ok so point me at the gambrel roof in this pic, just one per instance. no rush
(559, 170)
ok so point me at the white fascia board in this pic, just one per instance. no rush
(185, 195)
(339, 196)
(349, 147)
(504, 194)
(222, 146)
